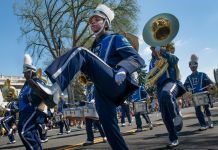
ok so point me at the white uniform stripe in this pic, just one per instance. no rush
(24, 131)
(60, 70)
(190, 83)
(173, 87)
(123, 47)
(174, 104)
(108, 48)
(4, 123)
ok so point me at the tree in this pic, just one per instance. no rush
(52, 27)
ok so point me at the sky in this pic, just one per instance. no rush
(197, 34)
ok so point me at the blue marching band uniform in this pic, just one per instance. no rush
(168, 89)
(10, 119)
(137, 96)
(63, 122)
(120, 54)
(196, 83)
(91, 122)
(109, 66)
(30, 117)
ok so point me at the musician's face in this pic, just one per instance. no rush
(193, 68)
(96, 23)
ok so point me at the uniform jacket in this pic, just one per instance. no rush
(28, 97)
(197, 81)
(171, 72)
(117, 52)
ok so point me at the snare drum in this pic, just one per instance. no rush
(67, 112)
(77, 112)
(200, 99)
(140, 106)
(90, 112)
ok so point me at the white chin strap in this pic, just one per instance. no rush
(96, 34)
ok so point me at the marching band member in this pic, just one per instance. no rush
(9, 120)
(125, 112)
(90, 122)
(138, 95)
(63, 122)
(195, 83)
(109, 67)
(29, 111)
(168, 88)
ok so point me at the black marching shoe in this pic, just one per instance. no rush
(173, 144)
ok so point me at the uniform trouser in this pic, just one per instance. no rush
(168, 107)
(200, 114)
(62, 71)
(139, 121)
(62, 123)
(42, 131)
(125, 113)
(27, 128)
(89, 131)
(41, 125)
(7, 123)
(109, 121)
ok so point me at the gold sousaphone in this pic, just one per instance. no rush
(160, 30)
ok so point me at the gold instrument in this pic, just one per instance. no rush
(2, 111)
(132, 39)
(160, 30)
(83, 79)
(40, 76)
(42, 106)
(9, 92)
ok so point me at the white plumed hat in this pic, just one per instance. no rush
(104, 12)
(194, 60)
(28, 63)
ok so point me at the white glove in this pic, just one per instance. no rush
(157, 48)
(92, 101)
(120, 76)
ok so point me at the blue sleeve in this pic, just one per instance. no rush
(131, 60)
(171, 59)
(206, 80)
(187, 84)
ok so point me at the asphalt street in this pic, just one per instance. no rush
(156, 139)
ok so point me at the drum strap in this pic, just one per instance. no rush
(201, 80)
(190, 81)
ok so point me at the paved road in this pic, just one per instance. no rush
(156, 139)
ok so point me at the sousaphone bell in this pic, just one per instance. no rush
(161, 29)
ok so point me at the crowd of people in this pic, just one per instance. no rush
(109, 66)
